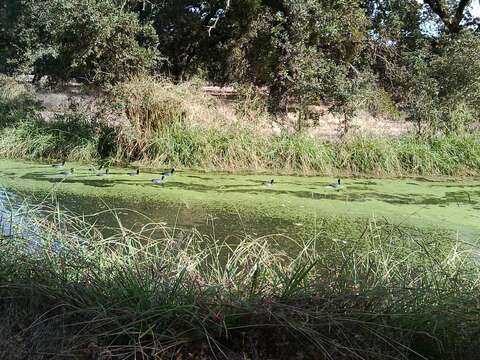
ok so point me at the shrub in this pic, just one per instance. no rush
(251, 103)
(152, 105)
(17, 100)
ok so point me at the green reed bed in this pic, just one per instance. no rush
(237, 149)
(66, 290)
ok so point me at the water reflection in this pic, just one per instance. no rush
(15, 221)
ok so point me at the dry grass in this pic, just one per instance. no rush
(149, 105)
(17, 100)
(12, 90)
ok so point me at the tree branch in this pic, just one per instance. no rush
(217, 19)
(438, 7)
(451, 22)
(459, 13)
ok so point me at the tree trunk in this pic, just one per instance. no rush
(451, 21)
(278, 100)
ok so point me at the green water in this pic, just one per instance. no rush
(225, 204)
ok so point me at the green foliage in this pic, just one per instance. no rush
(183, 36)
(301, 50)
(9, 12)
(457, 71)
(432, 76)
(419, 95)
(441, 91)
(94, 40)
(420, 58)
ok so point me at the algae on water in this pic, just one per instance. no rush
(291, 202)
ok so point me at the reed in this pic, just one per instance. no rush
(161, 293)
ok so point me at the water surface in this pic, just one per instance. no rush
(225, 204)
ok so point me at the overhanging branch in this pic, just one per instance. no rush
(217, 19)
(451, 21)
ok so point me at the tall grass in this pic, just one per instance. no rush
(163, 293)
(17, 100)
(241, 149)
(152, 105)
(158, 126)
(70, 136)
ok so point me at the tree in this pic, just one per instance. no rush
(423, 54)
(455, 66)
(451, 13)
(182, 27)
(6, 8)
(431, 75)
(295, 48)
(93, 40)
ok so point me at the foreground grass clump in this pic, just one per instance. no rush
(65, 289)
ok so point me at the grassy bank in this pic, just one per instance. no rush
(245, 150)
(68, 291)
(157, 124)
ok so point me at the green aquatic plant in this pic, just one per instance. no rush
(419, 202)
(159, 292)
(69, 136)
(79, 138)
